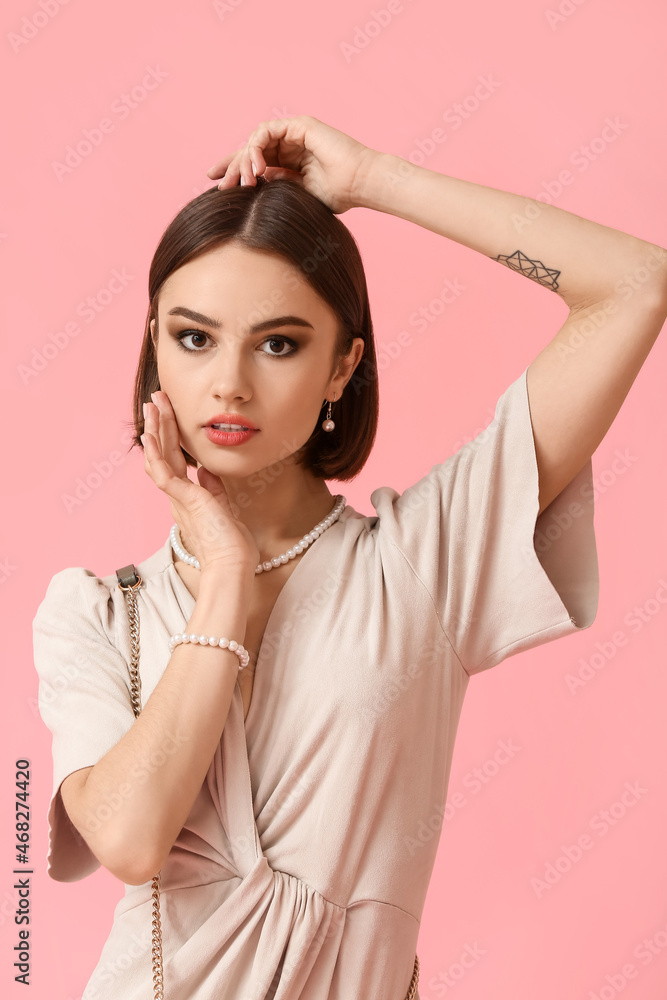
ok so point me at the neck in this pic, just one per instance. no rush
(277, 509)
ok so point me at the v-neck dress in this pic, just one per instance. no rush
(302, 869)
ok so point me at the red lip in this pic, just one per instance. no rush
(232, 418)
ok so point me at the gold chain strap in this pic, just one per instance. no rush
(156, 946)
(156, 936)
(412, 988)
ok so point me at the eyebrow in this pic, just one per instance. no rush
(267, 324)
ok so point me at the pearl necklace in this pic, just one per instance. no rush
(264, 567)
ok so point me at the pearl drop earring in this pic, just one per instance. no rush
(328, 424)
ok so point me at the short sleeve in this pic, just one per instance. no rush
(502, 579)
(83, 698)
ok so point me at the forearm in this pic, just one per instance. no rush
(180, 726)
(582, 261)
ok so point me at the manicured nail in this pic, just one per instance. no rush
(144, 409)
(254, 169)
(154, 399)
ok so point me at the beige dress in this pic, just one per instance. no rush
(302, 869)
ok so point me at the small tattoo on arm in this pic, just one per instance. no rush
(534, 269)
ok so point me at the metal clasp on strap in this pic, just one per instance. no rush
(128, 578)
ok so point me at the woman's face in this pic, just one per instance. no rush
(215, 363)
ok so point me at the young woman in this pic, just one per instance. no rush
(279, 785)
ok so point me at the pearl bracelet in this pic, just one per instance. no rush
(206, 640)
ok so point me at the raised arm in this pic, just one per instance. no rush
(614, 284)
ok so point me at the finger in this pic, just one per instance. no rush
(282, 141)
(218, 168)
(246, 175)
(231, 177)
(257, 159)
(178, 488)
(158, 464)
(248, 166)
(266, 136)
(213, 484)
(151, 424)
(169, 432)
(151, 427)
(160, 458)
(144, 443)
(283, 173)
(151, 453)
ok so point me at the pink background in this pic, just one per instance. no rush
(217, 73)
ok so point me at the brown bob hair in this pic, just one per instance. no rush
(281, 217)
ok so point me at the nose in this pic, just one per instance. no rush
(231, 377)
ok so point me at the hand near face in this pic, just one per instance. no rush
(203, 511)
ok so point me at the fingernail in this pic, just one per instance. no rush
(154, 399)
(243, 180)
(144, 409)
(254, 169)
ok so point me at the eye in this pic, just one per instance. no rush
(283, 341)
(189, 333)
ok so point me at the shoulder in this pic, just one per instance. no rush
(77, 598)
